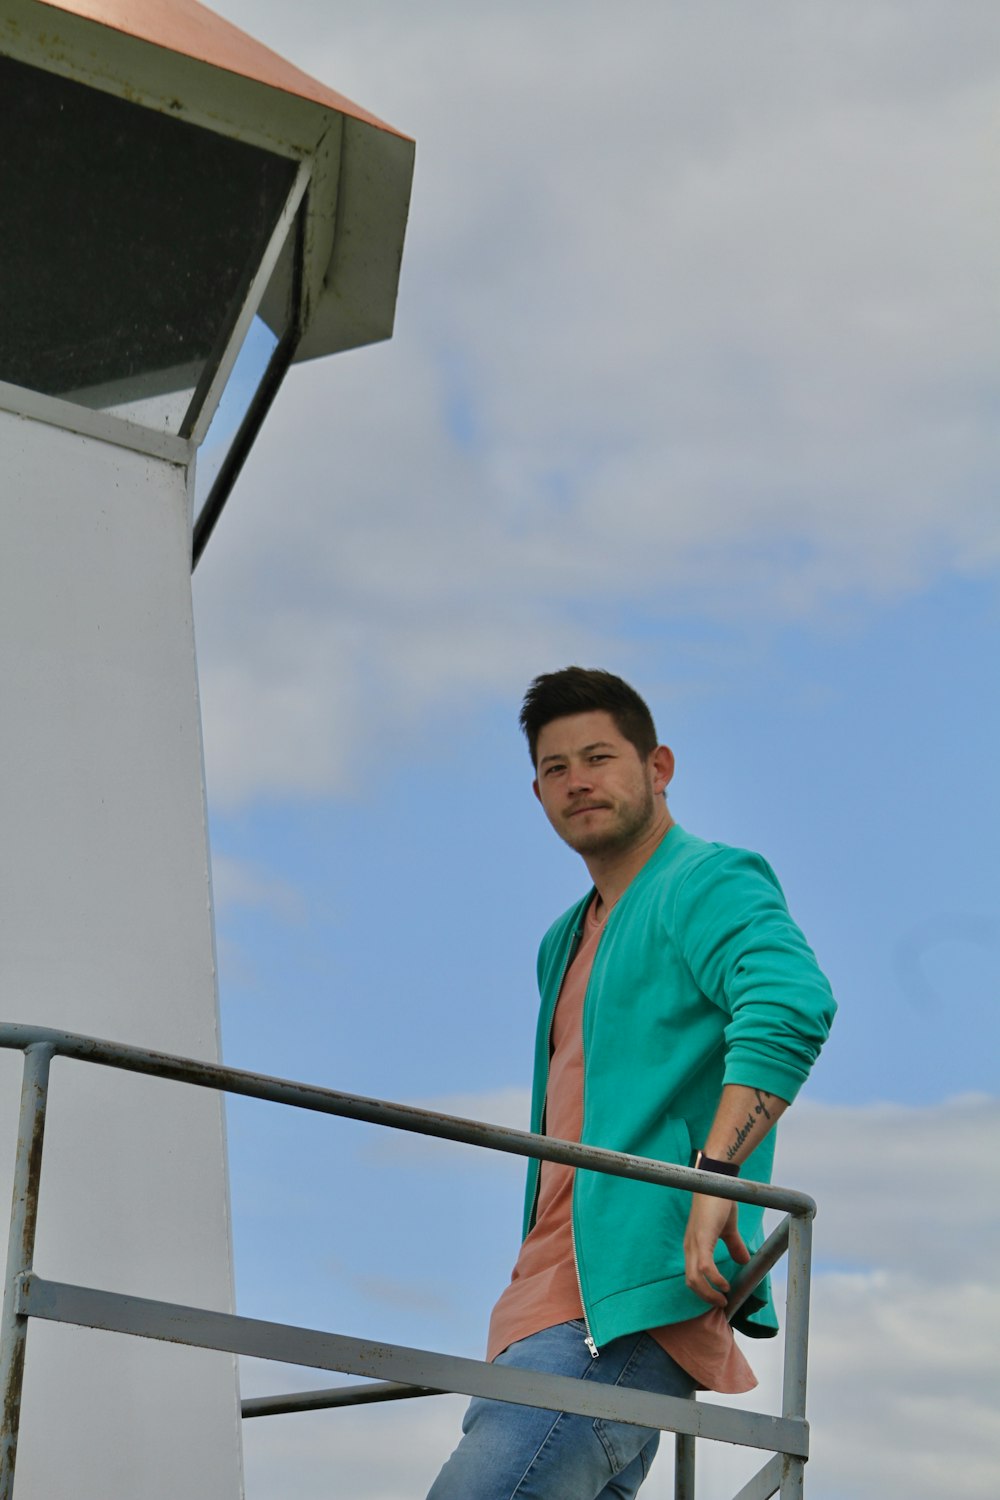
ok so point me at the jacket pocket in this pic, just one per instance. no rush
(631, 1233)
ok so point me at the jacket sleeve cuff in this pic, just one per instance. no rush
(770, 1076)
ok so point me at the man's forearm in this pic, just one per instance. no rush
(742, 1120)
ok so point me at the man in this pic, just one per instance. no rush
(681, 1010)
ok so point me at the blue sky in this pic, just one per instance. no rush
(693, 378)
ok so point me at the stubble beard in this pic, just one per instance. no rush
(632, 823)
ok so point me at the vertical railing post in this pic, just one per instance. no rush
(684, 1466)
(21, 1251)
(793, 1397)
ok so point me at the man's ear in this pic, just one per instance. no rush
(662, 761)
(534, 788)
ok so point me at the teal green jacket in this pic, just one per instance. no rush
(700, 979)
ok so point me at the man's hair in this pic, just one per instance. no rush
(584, 690)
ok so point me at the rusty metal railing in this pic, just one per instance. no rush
(393, 1371)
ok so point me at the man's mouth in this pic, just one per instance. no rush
(590, 807)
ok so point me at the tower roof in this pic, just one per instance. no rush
(192, 30)
(182, 60)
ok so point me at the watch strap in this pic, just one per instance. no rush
(705, 1163)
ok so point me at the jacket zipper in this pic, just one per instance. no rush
(589, 1338)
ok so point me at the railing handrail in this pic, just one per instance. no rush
(421, 1372)
(19, 1037)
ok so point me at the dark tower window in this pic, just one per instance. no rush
(128, 242)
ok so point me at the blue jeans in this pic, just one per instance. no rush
(512, 1452)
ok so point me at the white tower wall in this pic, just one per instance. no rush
(106, 928)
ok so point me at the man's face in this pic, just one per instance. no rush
(597, 791)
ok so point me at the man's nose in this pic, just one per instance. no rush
(579, 779)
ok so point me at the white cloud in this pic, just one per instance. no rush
(379, 1453)
(904, 1391)
(236, 883)
(694, 317)
(510, 1107)
(889, 1190)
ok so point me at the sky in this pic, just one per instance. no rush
(694, 377)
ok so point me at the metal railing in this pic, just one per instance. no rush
(394, 1371)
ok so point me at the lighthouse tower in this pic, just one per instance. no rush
(182, 215)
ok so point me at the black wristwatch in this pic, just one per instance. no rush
(705, 1163)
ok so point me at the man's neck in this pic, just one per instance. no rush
(613, 873)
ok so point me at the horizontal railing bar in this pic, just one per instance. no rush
(334, 1395)
(402, 1117)
(765, 1259)
(91, 1308)
(765, 1483)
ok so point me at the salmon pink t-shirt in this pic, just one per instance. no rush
(544, 1289)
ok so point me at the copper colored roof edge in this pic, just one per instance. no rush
(192, 30)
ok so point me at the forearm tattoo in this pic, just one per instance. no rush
(759, 1112)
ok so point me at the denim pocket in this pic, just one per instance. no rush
(622, 1442)
(648, 1368)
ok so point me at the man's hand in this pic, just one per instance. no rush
(711, 1220)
